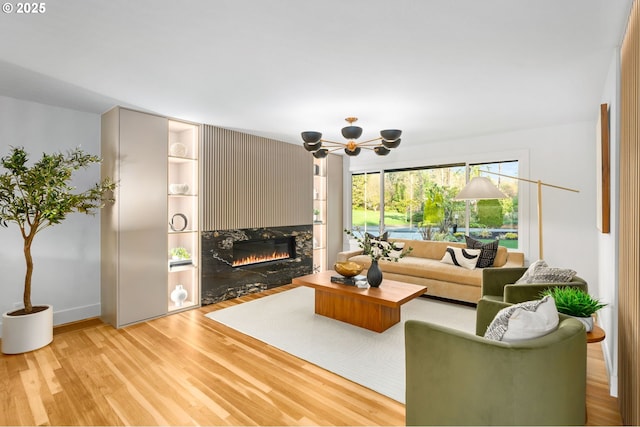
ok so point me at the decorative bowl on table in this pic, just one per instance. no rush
(348, 268)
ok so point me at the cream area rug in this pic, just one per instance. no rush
(375, 360)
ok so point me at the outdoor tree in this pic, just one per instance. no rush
(490, 213)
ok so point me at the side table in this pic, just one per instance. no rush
(596, 335)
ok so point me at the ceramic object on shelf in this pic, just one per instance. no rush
(179, 295)
(178, 149)
(178, 222)
(180, 188)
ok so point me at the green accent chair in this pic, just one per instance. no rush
(498, 284)
(457, 378)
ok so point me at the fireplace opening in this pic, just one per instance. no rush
(250, 252)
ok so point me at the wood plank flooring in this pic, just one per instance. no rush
(185, 369)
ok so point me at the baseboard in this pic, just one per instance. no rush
(608, 363)
(74, 314)
(71, 315)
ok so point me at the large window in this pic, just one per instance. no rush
(419, 203)
(365, 199)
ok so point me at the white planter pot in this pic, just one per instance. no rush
(587, 321)
(21, 334)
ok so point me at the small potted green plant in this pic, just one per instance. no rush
(576, 303)
(180, 253)
(316, 215)
(34, 197)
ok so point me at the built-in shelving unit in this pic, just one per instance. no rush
(154, 161)
(319, 214)
(183, 216)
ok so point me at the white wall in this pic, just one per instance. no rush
(66, 256)
(608, 243)
(561, 155)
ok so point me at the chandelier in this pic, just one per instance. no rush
(388, 139)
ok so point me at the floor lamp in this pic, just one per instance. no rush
(480, 188)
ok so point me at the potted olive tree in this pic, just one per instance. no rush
(34, 197)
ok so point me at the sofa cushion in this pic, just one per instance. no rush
(425, 268)
(489, 251)
(462, 257)
(427, 248)
(527, 320)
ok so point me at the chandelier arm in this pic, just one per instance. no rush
(332, 149)
(333, 142)
(370, 140)
(371, 144)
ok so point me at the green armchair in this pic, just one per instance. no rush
(456, 378)
(498, 284)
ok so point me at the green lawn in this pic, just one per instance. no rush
(393, 219)
(397, 219)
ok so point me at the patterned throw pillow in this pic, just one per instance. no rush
(394, 251)
(462, 257)
(527, 320)
(489, 251)
(540, 272)
(383, 237)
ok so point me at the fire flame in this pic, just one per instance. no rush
(255, 259)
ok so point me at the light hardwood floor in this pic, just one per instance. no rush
(185, 369)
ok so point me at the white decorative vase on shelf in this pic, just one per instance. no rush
(179, 295)
(178, 188)
(28, 332)
(178, 150)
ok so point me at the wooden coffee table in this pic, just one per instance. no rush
(376, 309)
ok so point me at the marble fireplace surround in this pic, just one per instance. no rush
(221, 281)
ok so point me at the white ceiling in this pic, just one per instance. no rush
(437, 69)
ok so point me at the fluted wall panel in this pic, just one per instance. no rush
(629, 246)
(252, 182)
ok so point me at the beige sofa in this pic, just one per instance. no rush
(423, 267)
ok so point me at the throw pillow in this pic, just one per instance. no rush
(540, 272)
(489, 251)
(527, 320)
(382, 237)
(531, 270)
(378, 246)
(395, 253)
(462, 257)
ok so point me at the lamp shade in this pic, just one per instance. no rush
(480, 188)
(381, 151)
(321, 153)
(351, 132)
(353, 152)
(312, 147)
(311, 137)
(391, 144)
(390, 134)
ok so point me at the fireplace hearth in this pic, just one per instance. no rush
(243, 261)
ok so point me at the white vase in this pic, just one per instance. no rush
(178, 150)
(178, 188)
(179, 295)
(28, 332)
